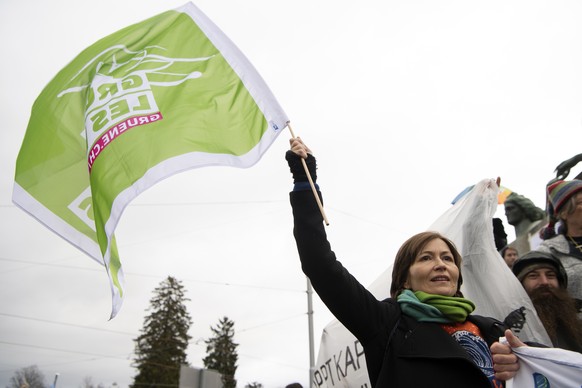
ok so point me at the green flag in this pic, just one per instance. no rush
(156, 98)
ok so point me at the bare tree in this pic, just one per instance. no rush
(88, 383)
(27, 377)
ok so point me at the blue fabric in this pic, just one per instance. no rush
(300, 186)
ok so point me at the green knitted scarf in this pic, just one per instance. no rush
(434, 308)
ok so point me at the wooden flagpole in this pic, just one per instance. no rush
(309, 288)
(311, 182)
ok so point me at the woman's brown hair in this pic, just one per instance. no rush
(566, 209)
(407, 255)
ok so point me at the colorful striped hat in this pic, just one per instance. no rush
(561, 191)
(558, 193)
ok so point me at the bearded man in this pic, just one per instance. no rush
(545, 280)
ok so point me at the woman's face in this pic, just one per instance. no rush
(434, 270)
(574, 219)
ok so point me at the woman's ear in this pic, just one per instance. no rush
(563, 216)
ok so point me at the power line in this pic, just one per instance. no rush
(271, 323)
(48, 264)
(134, 334)
(56, 364)
(207, 203)
(125, 358)
(160, 204)
(62, 350)
(218, 283)
(66, 324)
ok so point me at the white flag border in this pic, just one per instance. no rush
(252, 80)
(26, 202)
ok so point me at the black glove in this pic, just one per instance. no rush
(297, 169)
(515, 320)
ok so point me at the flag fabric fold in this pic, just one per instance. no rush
(546, 367)
(159, 97)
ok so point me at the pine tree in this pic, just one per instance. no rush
(221, 352)
(161, 348)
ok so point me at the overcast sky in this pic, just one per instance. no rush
(405, 103)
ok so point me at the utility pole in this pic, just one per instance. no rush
(310, 324)
(55, 382)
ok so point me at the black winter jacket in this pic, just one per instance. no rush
(420, 354)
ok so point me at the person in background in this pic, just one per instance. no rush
(425, 334)
(545, 280)
(565, 243)
(294, 385)
(509, 254)
(499, 234)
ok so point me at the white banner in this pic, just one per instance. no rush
(546, 367)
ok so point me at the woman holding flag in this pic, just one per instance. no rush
(424, 335)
